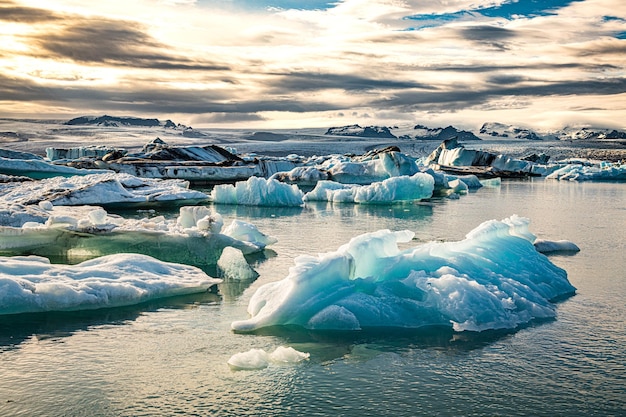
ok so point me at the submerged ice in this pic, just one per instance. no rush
(493, 279)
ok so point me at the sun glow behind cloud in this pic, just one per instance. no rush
(322, 63)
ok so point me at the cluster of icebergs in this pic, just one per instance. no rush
(450, 155)
(495, 278)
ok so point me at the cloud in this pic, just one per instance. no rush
(112, 42)
(10, 12)
(310, 60)
(307, 81)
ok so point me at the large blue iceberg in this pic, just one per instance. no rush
(493, 279)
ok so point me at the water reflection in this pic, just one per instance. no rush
(326, 346)
(18, 328)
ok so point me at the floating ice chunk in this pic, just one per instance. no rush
(233, 265)
(603, 171)
(549, 246)
(471, 181)
(305, 175)
(493, 279)
(287, 355)
(46, 205)
(100, 189)
(368, 169)
(247, 232)
(32, 284)
(201, 218)
(259, 359)
(98, 217)
(391, 190)
(250, 360)
(258, 192)
(82, 232)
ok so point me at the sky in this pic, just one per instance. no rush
(288, 64)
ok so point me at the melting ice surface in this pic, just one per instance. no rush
(31, 284)
(493, 279)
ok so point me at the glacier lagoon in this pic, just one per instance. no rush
(171, 356)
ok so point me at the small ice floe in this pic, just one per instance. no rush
(551, 246)
(31, 284)
(259, 359)
(493, 279)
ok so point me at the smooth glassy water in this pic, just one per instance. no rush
(170, 357)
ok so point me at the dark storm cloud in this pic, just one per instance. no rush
(9, 12)
(491, 36)
(460, 98)
(152, 100)
(100, 41)
(486, 33)
(529, 67)
(313, 81)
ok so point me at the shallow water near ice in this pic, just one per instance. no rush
(170, 357)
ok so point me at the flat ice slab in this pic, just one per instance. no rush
(99, 189)
(32, 284)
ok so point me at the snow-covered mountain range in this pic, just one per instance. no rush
(489, 130)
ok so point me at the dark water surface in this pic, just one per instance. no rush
(170, 357)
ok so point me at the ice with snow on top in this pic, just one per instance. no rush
(195, 237)
(258, 191)
(31, 284)
(391, 190)
(259, 359)
(99, 189)
(493, 279)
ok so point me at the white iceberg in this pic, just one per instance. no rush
(493, 279)
(259, 359)
(32, 284)
(391, 190)
(258, 192)
(99, 189)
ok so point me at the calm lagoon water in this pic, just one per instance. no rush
(169, 357)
